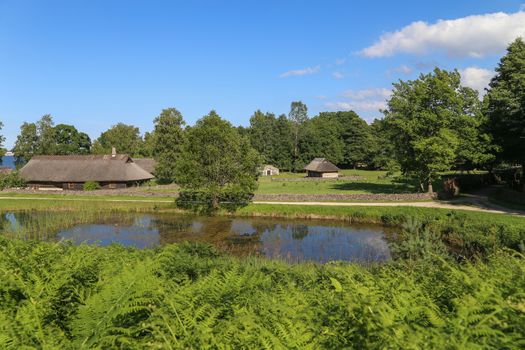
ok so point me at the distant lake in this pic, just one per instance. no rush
(8, 162)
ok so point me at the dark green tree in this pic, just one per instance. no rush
(263, 135)
(355, 135)
(320, 137)
(68, 140)
(505, 106)
(217, 167)
(167, 143)
(428, 119)
(2, 140)
(125, 138)
(284, 144)
(298, 116)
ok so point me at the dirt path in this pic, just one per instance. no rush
(439, 205)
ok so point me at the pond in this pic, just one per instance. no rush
(290, 240)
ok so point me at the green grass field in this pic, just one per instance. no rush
(374, 181)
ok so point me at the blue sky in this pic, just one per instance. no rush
(96, 63)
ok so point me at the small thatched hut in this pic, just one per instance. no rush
(269, 170)
(71, 172)
(320, 167)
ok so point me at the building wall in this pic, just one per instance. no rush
(330, 175)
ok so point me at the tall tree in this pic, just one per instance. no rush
(355, 135)
(262, 134)
(505, 106)
(320, 137)
(427, 118)
(217, 167)
(46, 135)
(167, 143)
(125, 138)
(298, 116)
(2, 140)
(284, 144)
(68, 140)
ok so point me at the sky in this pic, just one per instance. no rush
(96, 63)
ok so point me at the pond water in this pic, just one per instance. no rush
(290, 240)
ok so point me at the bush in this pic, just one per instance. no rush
(11, 180)
(91, 186)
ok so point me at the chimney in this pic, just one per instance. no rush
(113, 152)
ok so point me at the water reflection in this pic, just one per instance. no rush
(291, 240)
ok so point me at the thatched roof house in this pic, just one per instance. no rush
(147, 164)
(320, 167)
(71, 172)
(268, 170)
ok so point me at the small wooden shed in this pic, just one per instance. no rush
(321, 167)
(269, 170)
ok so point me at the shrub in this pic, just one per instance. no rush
(91, 186)
(11, 180)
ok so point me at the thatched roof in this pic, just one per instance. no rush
(321, 165)
(147, 164)
(104, 168)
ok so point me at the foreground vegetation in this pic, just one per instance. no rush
(189, 296)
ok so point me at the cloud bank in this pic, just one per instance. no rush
(471, 36)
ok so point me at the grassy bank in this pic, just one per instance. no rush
(188, 296)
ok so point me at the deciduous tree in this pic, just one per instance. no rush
(217, 167)
(167, 143)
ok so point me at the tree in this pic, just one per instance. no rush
(505, 106)
(263, 136)
(355, 135)
(167, 143)
(68, 140)
(125, 138)
(46, 135)
(298, 116)
(2, 140)
(320, 137)
(428, 119)
(217, 167)
(284, 144)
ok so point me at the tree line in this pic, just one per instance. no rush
(430, 125)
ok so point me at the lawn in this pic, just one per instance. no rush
(373, 182)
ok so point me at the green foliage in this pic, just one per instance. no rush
(91, 186)
(216, 164)
(505, 105)
(68, 140)
(125, 138)
(434, 124)
(167, 144)
(43, 137)
(11, 180)
(53, 295)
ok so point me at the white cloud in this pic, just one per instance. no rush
(340, 61)
(367, 94)
(476, 78)
(338, 75)
(473, 36)
(300, 72)
(404, 69)
(357, 105)
(362, 100)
